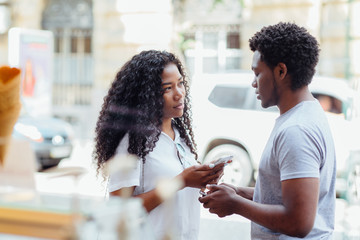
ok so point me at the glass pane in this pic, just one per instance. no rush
(329, 103)
(210, 40)
(88, 45)
(190, 65)
(233, 40)
(232, 63)
(238, 97)
(189, 41)
(210, 65)
(58, 43)
(228, 97)
(74, 41)
(189, 36)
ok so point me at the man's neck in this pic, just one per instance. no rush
(290, 99)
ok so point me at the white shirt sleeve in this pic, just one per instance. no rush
(120, 179)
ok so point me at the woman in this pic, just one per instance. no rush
(146, 113)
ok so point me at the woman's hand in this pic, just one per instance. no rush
(199, 175)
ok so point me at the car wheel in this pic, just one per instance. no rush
(353, 185)
(240, 171)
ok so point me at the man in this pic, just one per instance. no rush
(294, 195)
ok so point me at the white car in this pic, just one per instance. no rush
(228, 120)
(50, 138)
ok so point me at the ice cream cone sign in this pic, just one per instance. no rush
(10, 106)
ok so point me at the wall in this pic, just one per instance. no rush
(335, 23)
(25, 14)
(260, 13)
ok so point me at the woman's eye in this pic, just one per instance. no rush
(181, 83)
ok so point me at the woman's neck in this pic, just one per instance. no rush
(167, 129)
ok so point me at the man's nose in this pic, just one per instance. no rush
(254, 83)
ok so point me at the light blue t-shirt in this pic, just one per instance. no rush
(300, 146)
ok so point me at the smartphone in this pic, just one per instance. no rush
(202, 193)
(226, 160)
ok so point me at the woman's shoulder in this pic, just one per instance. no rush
(123, 145)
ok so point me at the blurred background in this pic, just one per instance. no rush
(70, 50)
(92, 40)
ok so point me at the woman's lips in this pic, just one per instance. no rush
(180, 106)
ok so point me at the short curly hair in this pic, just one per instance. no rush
(134, 105)
(292, 45)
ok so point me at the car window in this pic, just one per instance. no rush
(238, 97)
(225, 96)
(330, 103)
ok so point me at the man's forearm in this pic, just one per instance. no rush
(273, 217)
(245, 192)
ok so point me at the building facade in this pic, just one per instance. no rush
(94, 38)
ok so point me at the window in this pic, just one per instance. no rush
(81, 44)
(210, 64)
(233, 41)
(238, 97)
(72, 24)
(233, 63)
(210, 40)
(212, 49)
(229, 97)
(329, 103)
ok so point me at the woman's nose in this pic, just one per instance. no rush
(179, 93)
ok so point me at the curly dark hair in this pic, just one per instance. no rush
(289, 44)
(134, 105)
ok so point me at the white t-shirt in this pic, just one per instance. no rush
(182, 215)
(299, 146)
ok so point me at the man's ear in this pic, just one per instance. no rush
(281, 70)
